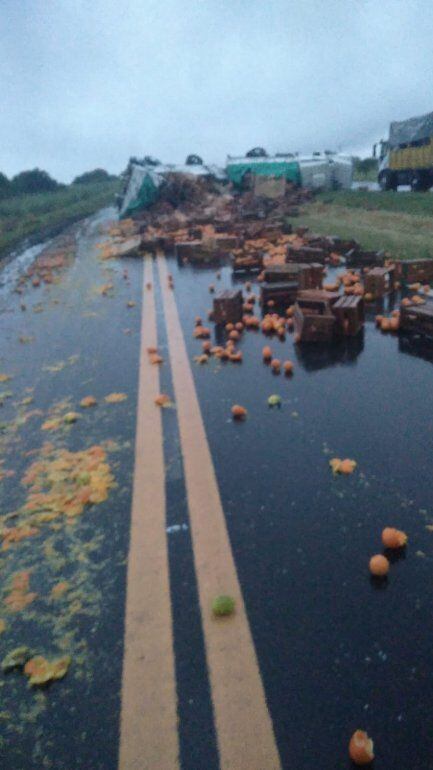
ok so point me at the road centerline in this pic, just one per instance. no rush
(148, 730)
(244, 728)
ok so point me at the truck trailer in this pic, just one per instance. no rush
(407, 156)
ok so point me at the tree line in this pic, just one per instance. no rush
(38, 181)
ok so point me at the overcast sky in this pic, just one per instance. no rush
(87, 83)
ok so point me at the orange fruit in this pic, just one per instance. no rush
(361, 748)
(239, 412)
(393, 538)
(379, 565)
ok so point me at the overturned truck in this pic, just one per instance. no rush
(148, 181)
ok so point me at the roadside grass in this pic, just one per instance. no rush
(31, 216)
(365, 176)
(399, 223)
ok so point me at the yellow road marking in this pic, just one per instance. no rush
(245, 734)
(148, 731)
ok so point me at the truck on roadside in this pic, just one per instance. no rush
(406, 157)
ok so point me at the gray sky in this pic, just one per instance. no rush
(87, 83)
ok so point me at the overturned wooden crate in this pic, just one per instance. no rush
(380, 281)
(227, 307)
(349, 313)
(415, 270)
(313, 316)
(417, 318)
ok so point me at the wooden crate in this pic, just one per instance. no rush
(379, 281)
(306, 254)
(314, 321)
(227, 307)
(283, 293)
(283, 273)
(416, 270)
(226, 242)
(349, 313)
(318, 295)
(199, 251)
(310, 276)
(252, 263)
(359, 258)
(417, 318)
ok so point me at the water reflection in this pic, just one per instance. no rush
(414, 345)
(344, 351)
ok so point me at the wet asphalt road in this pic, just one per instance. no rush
(336, 651)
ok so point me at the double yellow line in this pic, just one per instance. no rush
(149, 735)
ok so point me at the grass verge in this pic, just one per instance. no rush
(400, 223)
(34, 217)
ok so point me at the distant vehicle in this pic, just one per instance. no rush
(407, 156)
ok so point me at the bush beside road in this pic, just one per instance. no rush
(40, 215)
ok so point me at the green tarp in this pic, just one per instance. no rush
(289, 170)
(147, 194)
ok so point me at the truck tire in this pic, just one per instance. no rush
(387, 180)
(420, 182)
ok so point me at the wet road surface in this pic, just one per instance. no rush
(335, 651)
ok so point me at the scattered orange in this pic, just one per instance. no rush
(276, 365)
(361, 748)
(393, 538)
(239, 412)
(162, 400)
(379, 565)
(288, 367)
(266, 353)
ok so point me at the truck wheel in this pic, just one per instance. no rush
(420, 182)
(387, 181)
